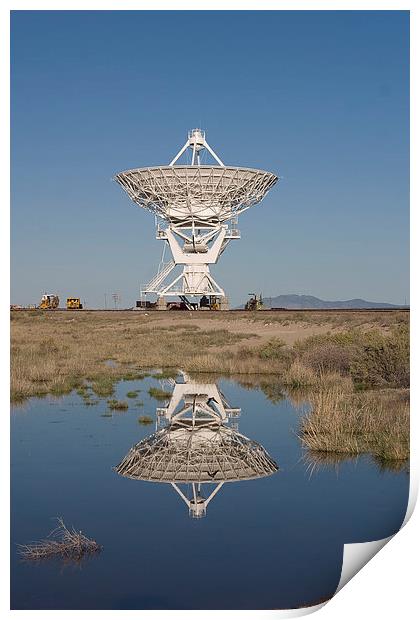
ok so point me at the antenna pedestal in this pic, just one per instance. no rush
(195, 251)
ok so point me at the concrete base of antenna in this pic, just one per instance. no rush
(160, 303)
(224, 304)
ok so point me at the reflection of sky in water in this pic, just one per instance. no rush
(272, 542)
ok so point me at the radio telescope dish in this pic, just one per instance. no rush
(198, 206)
(200, 194)
(182, 454)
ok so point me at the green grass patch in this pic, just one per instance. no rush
(117, 404)
(167, 374)
(134, 376)
(104, 386)
(146, 420)
(273, 349)
(159, 394)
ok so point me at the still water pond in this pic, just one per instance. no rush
(216, 508)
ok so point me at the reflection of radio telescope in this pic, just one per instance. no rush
(197, 402)
(198, 206)
(195, 454)
(197, 448)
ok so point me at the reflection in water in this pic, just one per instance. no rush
(288, 524)
(198, 446)
(316, 461)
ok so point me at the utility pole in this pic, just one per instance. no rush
(105, 301)
(116, 298)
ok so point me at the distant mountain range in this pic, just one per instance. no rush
(295, 302)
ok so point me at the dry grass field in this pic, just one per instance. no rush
(331, 354)
(352, 423)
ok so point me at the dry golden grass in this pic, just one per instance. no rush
(373, 358)
(301, 377)
(69, 544)
(56, 352)
(335, 319)
(376, 422)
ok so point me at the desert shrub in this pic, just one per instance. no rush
(273, 349)
(384, 359)
(343, 340)
(276, 350)
(246, 353)
(299, 375)
(372, 359)
(330, 357)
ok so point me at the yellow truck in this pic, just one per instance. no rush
(212, 302)
(73, 303)
(255, 303)
(49, 302)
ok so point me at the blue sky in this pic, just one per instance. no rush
(320, 98)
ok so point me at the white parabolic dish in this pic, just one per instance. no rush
(212, 454)
(203, 194)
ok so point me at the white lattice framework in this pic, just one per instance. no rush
(183, 453)
(204, 195)
(196, 208)
(197, 447)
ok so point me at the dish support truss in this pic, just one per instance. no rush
(196, 448)
(194, 250)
